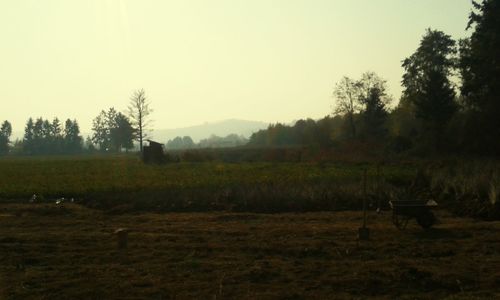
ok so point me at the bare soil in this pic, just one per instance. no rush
(50, 251)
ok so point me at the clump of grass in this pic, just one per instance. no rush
(468, 188)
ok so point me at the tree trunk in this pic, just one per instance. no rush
(353, 127)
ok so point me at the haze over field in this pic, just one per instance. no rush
(204, 61)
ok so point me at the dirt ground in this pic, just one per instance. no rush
(70, 252)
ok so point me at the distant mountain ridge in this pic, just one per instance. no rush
(202, 131)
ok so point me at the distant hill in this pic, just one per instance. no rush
(202, 131)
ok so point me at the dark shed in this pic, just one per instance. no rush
(153, 154)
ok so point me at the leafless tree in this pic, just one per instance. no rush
(139, 111)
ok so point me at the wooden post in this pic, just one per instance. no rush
(378, 189)
(122, 237)
(364, 199)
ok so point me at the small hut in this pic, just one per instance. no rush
(153, 154)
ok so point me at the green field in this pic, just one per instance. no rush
(110, 181)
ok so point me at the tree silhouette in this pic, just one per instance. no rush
(347, 98)
(100, 135)
(480, 70)
(426, 83)
(375, 114)
(29, 137)
(139, 112)
(5, 133)
(72, 139)
(121, 133)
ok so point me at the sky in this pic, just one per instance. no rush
(204, 60)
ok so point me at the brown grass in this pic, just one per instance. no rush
(69, 252)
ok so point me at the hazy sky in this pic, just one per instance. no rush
(204, 60)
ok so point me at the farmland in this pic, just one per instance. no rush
(123, 181)
(50, 251)
(241, 230)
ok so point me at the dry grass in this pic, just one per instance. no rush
(69, 252)
(470, 188)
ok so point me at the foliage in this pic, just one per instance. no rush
(5, 133)
(374, 116)
(72, 138)
(427, 85)
(480, 71)
(231, 140)
(42, 137)
(112, 131)
(366, 97)
(302, 133)
(180, 143)
(347, 95)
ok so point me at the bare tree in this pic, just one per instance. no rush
(139, 112)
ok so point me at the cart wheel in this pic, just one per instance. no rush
(400, 221)
(426, 219)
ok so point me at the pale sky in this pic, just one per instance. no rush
(204, 60)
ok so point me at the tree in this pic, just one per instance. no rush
(100, 136)
(374, 116)
(29, 137)
(38, 136)
(369, 82)
(427, 85)
(56, 136)
(139, 112)
(89, 145)
(374, 99)
(72, 138)
(364, 96)
(480, 72)
(347, 95)
(5, 133)
(121, 133)
(112, 131)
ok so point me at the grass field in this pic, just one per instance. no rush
(67, 251)
(123, 182)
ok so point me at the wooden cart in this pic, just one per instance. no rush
(404, 210)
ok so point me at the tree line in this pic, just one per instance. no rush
(450, 101)
(450, 104)
(214, 141)
(112, 131)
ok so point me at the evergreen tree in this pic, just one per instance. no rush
(56, 135)
(29, 137)
(375, 114)
(426, 84)
(5, 133)
(72, 138)
(480, 70)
